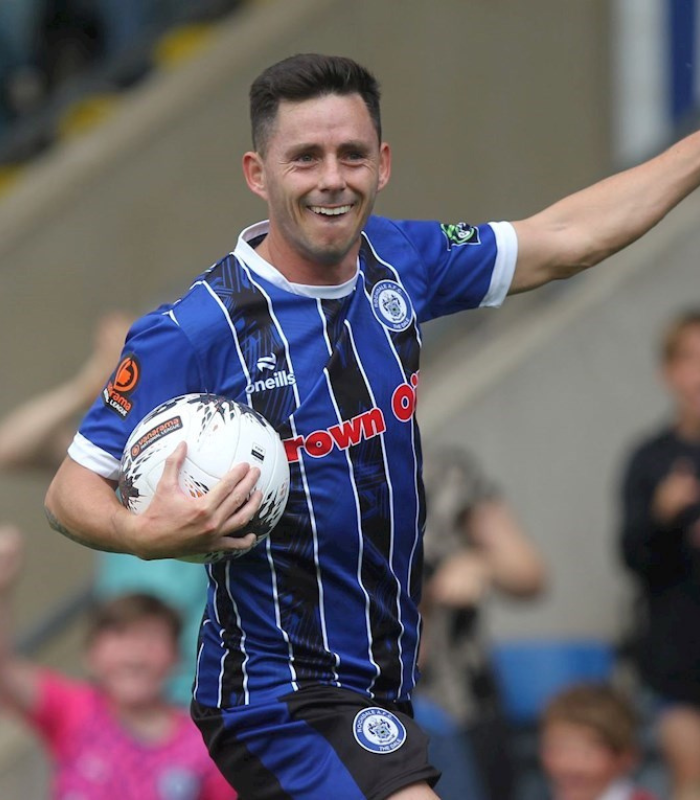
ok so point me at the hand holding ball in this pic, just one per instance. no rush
(219, 433)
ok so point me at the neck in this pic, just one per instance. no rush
(150, 722)
(297, 268)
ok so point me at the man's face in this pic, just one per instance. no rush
(682, 373)
(322, 169)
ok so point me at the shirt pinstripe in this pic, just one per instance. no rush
(331, 597)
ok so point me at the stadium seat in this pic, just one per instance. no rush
(530, 672)
(86, 113)
(182, 43)
(9, 175)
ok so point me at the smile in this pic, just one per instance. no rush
(330, 212)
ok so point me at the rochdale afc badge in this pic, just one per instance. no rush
(391, 305)
(378, 730)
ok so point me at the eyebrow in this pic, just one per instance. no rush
(354, 144)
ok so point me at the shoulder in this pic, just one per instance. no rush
(62, 702)
(651, 445)
(382, 230)
(59, 686)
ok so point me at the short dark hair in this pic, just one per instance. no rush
(124, 610)
(304, 77)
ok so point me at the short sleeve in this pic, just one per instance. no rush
(158, 362)
(465, 266)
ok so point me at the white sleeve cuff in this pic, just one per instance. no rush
(504, 268)
(88, 455)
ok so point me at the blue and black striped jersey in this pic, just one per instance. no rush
(332, 595)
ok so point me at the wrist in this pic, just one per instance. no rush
(126, 532)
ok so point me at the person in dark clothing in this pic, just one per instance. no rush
(660, 541)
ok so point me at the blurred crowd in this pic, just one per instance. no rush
(48, 45)
(631, 734)
(631, 731)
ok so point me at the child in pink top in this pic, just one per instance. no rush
(116, 736)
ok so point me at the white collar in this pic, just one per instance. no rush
(244, 252)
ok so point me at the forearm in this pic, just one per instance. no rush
(36, 432)
(84, 507)
(519, 575)
(588, 226)
(18, 678)
(515, 566)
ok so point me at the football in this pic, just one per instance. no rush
(220, 433)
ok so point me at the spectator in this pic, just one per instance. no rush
(36, 435)
(660, 540)
(588, 745)
(116, 735)
(71, 40)
(473, 546)
(19, 78)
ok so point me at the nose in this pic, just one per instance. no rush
(332, 177)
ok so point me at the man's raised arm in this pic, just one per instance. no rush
(586, 227)
(84, 507)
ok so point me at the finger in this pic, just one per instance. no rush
(233, 495)
(237, 522)
(173, 464)
(235, 544)
(229, 482)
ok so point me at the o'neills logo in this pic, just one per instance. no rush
(275, 381)
(124, 380)
(352, 431)
(155, 435)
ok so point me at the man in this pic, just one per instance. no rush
(659, 538)
(308, 647)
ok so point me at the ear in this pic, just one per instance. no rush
(384, 165)
(254, 172)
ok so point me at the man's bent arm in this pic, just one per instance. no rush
(83, 506)
(586, 227)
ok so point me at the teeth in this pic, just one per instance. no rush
(330, 212)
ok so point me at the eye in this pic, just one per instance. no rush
(304, 158)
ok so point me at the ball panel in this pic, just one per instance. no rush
(220, 433)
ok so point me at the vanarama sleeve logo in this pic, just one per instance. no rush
(124, 380)
(460, 234)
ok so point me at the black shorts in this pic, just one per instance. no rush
(320, 743)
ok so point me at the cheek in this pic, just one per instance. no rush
(101, 657)
(562, 762)
(165, 656)
(556, 762)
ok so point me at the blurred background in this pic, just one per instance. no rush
(122, 124)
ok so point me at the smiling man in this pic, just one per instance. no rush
(319, 166)
(309, 643)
